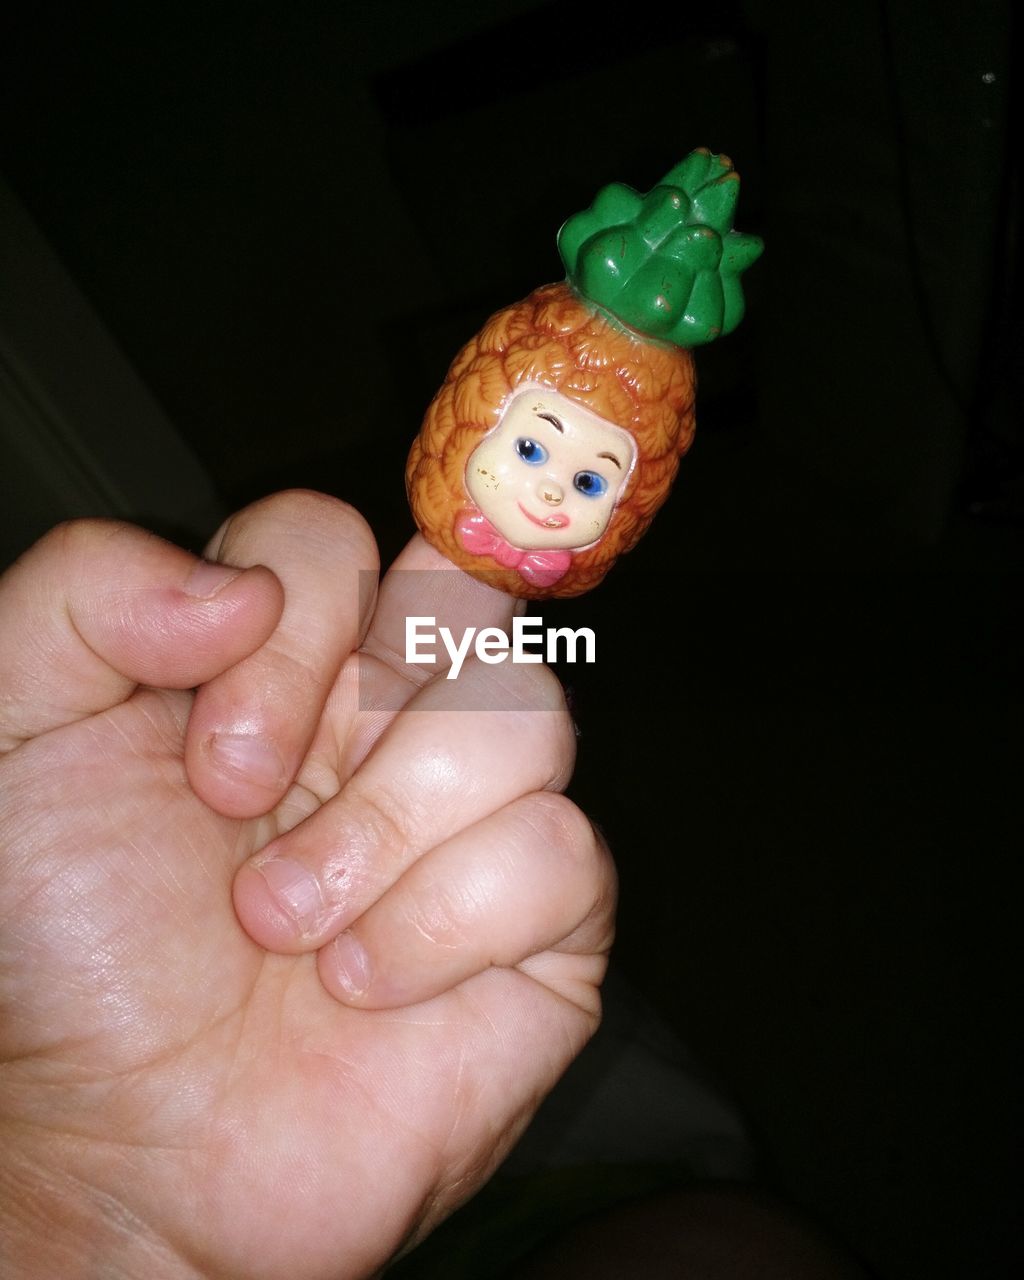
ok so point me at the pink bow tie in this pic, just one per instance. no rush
(480, 538)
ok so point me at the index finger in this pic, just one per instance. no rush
(379, 680)
(422, 583)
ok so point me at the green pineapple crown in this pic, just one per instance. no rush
(668, 263)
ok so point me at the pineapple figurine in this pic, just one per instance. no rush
(558, 431)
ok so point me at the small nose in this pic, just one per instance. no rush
(551, 493)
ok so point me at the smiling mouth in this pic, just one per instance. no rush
(552, 522)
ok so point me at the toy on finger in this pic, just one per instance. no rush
(559, 428)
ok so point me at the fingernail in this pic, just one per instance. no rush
(295, 890)
(207, 578)
(254, 757)
(351, 965)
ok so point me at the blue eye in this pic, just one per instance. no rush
(530, 451)
(590, 484)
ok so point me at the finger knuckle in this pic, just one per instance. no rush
(441, 915)
(316, 515)
(563, 829)
(586, 869)
(585, 864)
(383, 822)
(554, 736)
(73, 540)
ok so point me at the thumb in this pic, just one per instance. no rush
(98, 607)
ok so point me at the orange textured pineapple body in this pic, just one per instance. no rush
(553, 339)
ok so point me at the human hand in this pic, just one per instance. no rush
(180, 1096)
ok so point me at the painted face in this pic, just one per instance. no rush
(550, 473)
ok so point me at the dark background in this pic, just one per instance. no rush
(802, 734)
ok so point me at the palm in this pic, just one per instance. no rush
(235, 1082)
(175, 1091)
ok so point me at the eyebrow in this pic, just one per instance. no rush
(557, 424)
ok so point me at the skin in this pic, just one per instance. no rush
(202, 1076)
(525, 475)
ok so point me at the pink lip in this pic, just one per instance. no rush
(551, 522)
